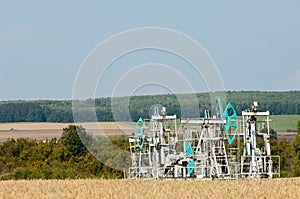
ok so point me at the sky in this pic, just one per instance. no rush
(254, 44)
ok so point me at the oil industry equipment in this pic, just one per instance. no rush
(257, 162)
(211, 147)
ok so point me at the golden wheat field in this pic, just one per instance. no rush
(276, 188)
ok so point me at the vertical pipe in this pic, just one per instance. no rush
(268, 125)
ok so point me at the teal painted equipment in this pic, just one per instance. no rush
(191, 166)
(219, 107)
(232, 121)
(189, 152)
(188, 149)
(139, 132)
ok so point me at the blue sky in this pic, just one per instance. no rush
(255, 44)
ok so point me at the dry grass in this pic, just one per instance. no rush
(276, 188)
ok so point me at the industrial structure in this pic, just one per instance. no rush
(212, 147)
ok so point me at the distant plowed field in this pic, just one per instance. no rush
(276, 188)
(43, 131)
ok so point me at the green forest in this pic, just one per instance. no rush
(68, 158)
(278, 103)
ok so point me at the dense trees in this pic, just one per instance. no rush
(289, 155)
(71, 139)
(68, 158)
(35, 111)
(278, 103)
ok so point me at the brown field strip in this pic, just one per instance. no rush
(43, 131)
(276, 188)
(286, 136)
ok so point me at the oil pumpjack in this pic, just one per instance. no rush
(203, 148)
(257, 163)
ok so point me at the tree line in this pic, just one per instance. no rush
(278, 103)
(68, 158)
